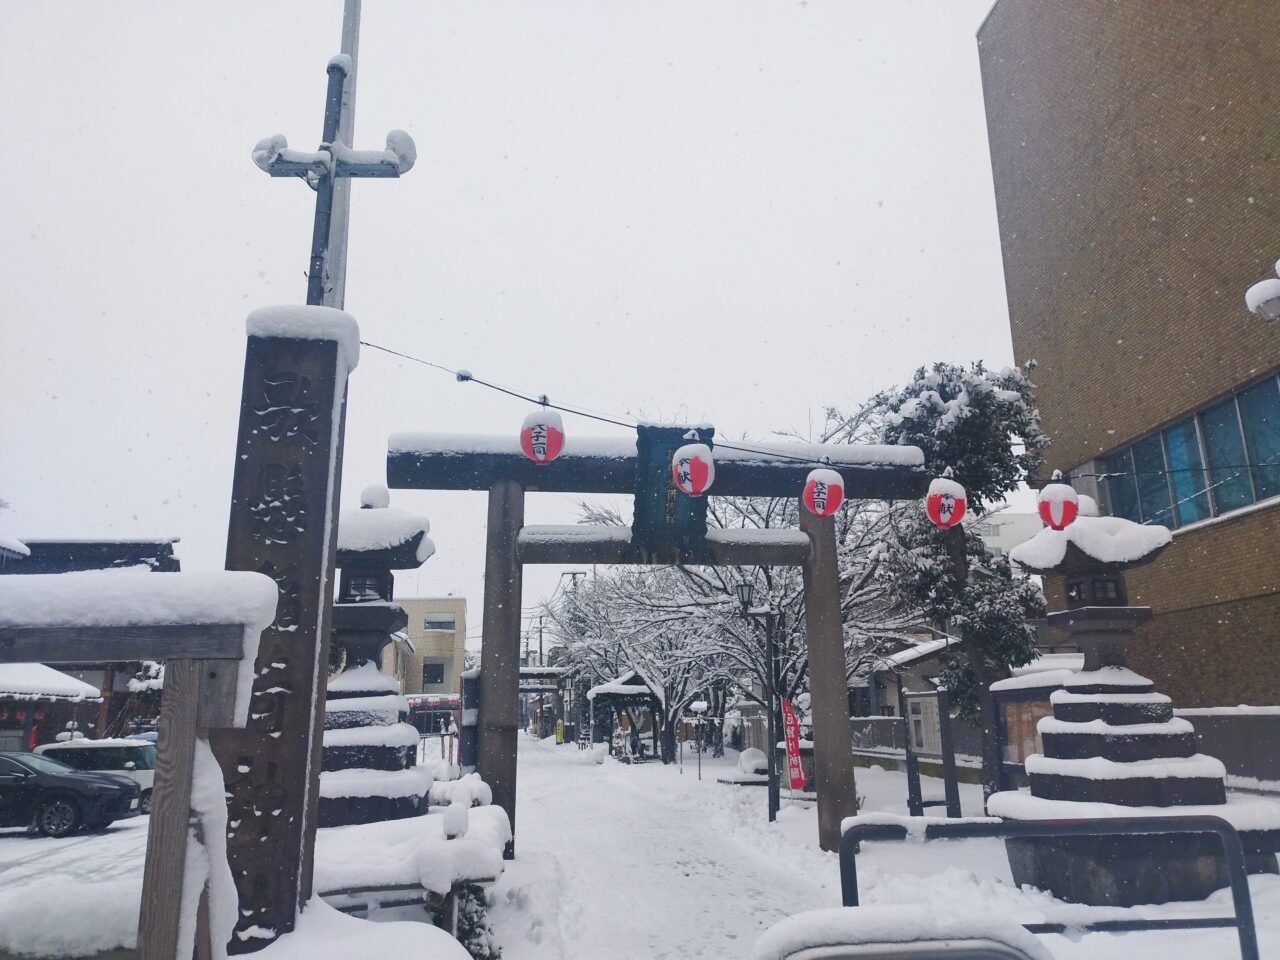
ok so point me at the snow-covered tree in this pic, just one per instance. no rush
(984, 426)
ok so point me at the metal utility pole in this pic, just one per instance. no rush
(771, 694)
(542, 660)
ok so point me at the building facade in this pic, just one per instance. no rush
(438, 631)
(1136, 159)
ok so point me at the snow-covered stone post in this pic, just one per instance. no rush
(284, 510)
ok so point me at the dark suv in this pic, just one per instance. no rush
(58, 800)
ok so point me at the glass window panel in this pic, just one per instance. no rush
(1122, 491)
(1260, 413)
(1224, 448)
(1153, 482)
(1186, 472)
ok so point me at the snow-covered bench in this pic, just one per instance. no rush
(896, 933)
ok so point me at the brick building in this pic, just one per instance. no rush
(1135, 150)
(438, 631)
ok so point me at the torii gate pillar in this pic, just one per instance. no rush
(500, 649)
(828, 696)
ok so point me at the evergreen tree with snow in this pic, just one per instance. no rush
(984, 426)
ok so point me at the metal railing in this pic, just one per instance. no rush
(1233, 850)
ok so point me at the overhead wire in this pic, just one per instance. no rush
(463, 375)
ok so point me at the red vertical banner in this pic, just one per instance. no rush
(791, 732)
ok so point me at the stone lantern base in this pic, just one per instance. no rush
(1113, 743)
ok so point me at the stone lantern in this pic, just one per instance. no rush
(370, 757)
(1113, 747)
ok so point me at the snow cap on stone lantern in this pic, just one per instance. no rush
(823, 492)
(1058, 503)
(693, 468)
(542, 436)
(375, 497)
(946, 501)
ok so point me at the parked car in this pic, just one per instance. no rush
(131, 758)
(57, 800)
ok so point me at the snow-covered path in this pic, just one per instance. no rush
(633, 863)
(620, 862)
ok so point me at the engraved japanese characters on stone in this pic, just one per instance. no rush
(286, 411)
(279, 511)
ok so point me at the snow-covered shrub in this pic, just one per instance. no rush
(752, 760)
(474, 930)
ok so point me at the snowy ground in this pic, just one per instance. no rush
(647, 862)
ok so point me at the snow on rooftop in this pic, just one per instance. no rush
(294, 322)
(916, 652)
(896, 924)
(13, 547)
(1105, 539)
(384, 528)
(628, 684)
(35, 681)
(138, 597)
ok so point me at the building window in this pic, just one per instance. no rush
(1223, 458)
(432, 673)
(365, 588)
(439, 621)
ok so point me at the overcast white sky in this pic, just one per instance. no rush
(718, 210)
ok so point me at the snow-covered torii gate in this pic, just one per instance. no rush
(668, 527)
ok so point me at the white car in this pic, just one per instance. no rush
(135, 759)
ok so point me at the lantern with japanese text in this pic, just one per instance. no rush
(542, 436)
(823, 492)
(945, 502)
(1058, 503)
(693, 469)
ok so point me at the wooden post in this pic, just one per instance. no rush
(829, 696)
(915, 800)
(500, 649)
(163, 873)
(947, 744)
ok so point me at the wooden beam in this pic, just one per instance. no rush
(78, 644)
(778, 471)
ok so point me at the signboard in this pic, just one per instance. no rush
(667, 524)
(791, 732)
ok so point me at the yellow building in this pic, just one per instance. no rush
(438, 631)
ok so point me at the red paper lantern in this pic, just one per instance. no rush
(693, 469)
(1058, 503)
(823, 492)
(39, 713)
(945, 502)
(542, 436)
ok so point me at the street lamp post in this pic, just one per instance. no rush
(745, 590)
(699, 707)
